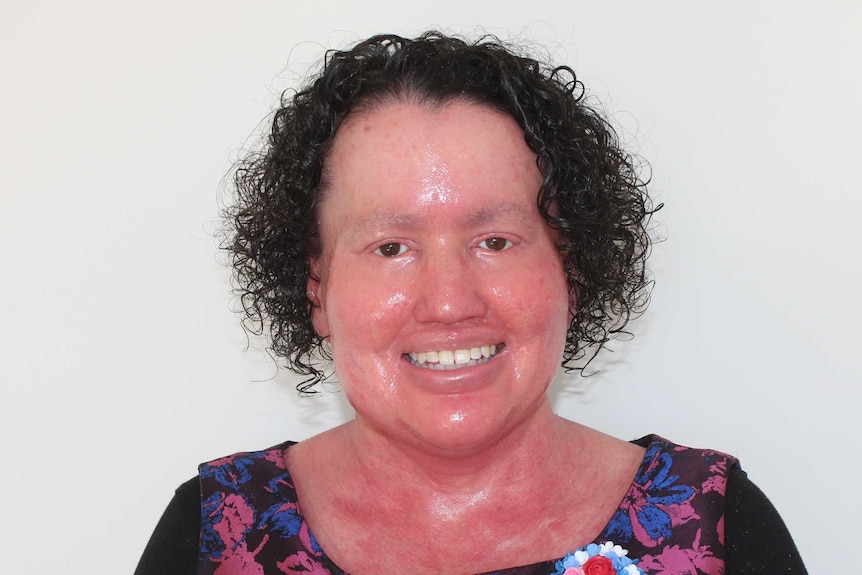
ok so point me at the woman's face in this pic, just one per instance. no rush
(440, 286)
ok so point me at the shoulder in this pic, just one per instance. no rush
(703, 469)
(757, 540)
(173, 546)
(236, 468)
(247, 478)
(175, 543)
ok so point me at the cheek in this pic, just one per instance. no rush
(388, 306)
(535, 306)
(539, 293)
(362, 311)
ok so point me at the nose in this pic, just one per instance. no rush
(449, 289)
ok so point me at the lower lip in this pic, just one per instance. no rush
(455, 381)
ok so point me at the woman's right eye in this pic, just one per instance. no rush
(391, 250)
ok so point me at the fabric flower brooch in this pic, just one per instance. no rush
(604, 559)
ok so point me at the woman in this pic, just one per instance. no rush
(448, 222)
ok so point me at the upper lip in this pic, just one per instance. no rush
(452, 340)
(497, 344)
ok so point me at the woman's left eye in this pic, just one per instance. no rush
(495, 244)
(391, 250)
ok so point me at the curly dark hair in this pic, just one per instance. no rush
(592, 191)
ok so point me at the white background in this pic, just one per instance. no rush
(122, 366)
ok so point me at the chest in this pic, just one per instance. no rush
(671, 517)
(380, 530)
(385, 540)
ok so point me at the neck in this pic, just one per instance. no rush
(527, 454)
(362, 490)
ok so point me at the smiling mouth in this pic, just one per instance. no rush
(453, 359)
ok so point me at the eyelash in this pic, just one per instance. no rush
(385, 250)
(401, 249)
(506, 245)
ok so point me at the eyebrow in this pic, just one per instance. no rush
(505, 211)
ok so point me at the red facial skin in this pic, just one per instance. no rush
(413, 196)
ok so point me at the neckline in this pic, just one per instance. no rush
(650, 455)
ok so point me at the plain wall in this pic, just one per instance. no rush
(122, 365)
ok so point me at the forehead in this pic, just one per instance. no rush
(397, 161)
(383, 120)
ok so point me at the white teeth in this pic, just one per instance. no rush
(453, 359)
(462, 356)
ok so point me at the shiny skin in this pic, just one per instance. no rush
(431, 240)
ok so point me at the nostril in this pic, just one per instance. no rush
(448, 304)
(448, 290)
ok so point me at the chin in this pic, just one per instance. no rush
(470, 428)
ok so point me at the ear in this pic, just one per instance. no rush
(572, 275)
(314, 289)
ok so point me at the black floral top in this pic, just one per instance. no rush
(670, 521)
(688, 511)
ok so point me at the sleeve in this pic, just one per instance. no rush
(173, 547)
(756, 540)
